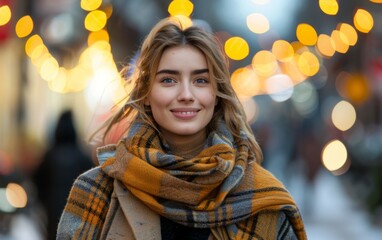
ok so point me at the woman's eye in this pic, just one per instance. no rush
(201, 81)
(168, 80)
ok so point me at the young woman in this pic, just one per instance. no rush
(188, 167)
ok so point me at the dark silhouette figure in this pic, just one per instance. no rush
(60, 165)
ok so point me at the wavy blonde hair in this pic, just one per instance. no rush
(168, 33)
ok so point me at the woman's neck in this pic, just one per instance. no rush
(187, 148)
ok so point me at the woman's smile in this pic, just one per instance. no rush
(185, 113)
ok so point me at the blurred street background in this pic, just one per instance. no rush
(309, 74)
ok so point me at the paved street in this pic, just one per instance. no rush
(331, 214)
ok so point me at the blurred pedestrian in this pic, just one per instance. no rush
(61, 164)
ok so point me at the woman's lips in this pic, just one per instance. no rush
(185, 113)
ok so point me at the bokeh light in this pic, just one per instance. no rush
(181, 7)
(78, 78)
(283, 51)
(354, 87)
(264, 63)
(363, 20)
(33, 43)
(308, 63)
(329, 7)
(95, 20)
(236, 48)
(306, 34)
(350, 33)
(279, 87)
(343, 115)
(16, 195)
(49, 68)
(325, 45)
(101, 35)
(258, 23)
(5, 15)
(341, 43)
(90, 5)
(245, 82)
(334, 155)
(58, 84)
(292, 70)
(24, 26)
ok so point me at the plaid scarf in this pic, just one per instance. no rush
(222, 188)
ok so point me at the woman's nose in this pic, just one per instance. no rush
(186, 93)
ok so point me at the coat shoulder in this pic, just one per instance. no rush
(87, 205)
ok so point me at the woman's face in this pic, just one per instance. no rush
(182, 98)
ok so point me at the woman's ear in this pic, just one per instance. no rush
(147, 102)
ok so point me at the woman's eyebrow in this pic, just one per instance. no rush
(200, 71)
(175, 72)
(168, 71)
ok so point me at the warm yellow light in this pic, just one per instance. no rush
(329, 7)
(245, 82)
(77, 79)
(325, 45)
(334, 155)
(90, 5)
(38, 52)
(236, 48)
(292, 70)
(95, 20)
(376, 1)
(341, 43)
(181, 7)
(257, 23)
(38, 60)
(32, 43)
(264, 63)
(298, 47)
(343, 115)
(49, 69)
(363, 20)
(24, 26)
(308, 63)
(306, 34)
(350, 33)
(283, 50)
(16, 195)
(101, 35)
(58, 84)
(96, 55)
(354, 87)
(5, 15)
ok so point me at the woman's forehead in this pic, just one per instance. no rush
(183, 56)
